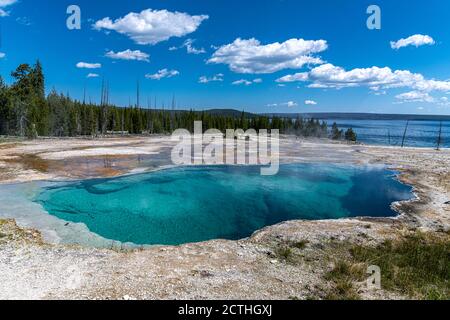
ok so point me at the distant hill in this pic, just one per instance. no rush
(324, 115)
(216, 112)
(362, 116)
(229, 113)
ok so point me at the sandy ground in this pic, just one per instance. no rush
(246, 269)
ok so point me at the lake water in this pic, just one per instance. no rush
(184, 205)
(419, 133)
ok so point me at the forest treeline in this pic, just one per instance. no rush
(26, 111)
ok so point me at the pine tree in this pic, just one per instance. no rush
(350, 135)
(336, 134)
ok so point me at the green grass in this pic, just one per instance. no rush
(284, 253)
(289, 251)
(417, 266)
(300, 244)
(341, 277)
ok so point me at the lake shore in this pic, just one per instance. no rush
(32, 268)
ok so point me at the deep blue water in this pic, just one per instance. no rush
(194, 204)
(419, 133)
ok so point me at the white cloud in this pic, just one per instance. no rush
(2, 55)
(152, 26)
(242, 81)
(164, 73)
(188, 44)
(204, 79)
(247, 82)
(415, 96)
(92, 75)
(444, 101)
(302, 76)
(251, 57)
(376, 79)
(330, 76)
(289, 104)
(24, 21)
(310, 102)
(128, 54)
(86, 65)
(416, 40)
(3, 4)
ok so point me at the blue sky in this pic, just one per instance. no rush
(261, 56)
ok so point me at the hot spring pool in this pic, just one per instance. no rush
(193, 204)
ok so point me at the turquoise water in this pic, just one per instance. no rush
(194, 204)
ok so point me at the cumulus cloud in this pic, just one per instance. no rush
(152, 26)
(204, 79)
(92, 75)
(378, 80)
(164, 73)
(310, 102)
(252, 57)
(416, 40)
(2, 55)
(415, 96)
(444, 101)
(25, 21)
(128, 54)
(302, 76)
(4, 4)
(189, 45)
(330, 76)
(246, 82)
(290, 104)
(86, 65)
(242, 81)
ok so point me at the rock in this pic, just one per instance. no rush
(206, 274)
(447, 203)
(273, 261)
